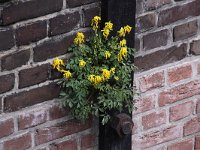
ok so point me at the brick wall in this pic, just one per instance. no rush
(168, 75)
(32, 34)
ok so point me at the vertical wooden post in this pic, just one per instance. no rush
(120, 13)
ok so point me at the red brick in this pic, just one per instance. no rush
(184, 145)
(7, 34)
(156, 137)
(153, 4)
(194, 47)
(89, 14)
(192, 126)
(7, 82)
(179, 73)
(31, 119)
(6, 127)
(154, 119)
(32, 76)
(176, 13)
(152, 81)
(185, 31)
(75, 3)
(14, 60)
(56, 112)
(46, 134)
(66, 145)
(144, 104)
(198, 68)
(145, 23)
(63, 23)
(37, 7)
(161, 57)
(19, 143)
(88, 141)
(197, 143)
(156, 39)
(198, 106)
(181, 111)
(180, 92)
(31, 32)
(24, 99)
(52, 48)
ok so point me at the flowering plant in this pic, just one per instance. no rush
(98, 76)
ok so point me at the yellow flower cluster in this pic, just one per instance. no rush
(123, 43)
(58, 63)
(67, 74)
(122, 32)
(106, 74)
(82, 63)
(95, 22)
(106, 30)
(122, 54)
(107, 54)
(80, 38)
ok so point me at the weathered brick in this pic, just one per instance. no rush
(56, 112)
(68, 145)
(161, 57)
(181, 111)
(89, 14)
(156, 39)
(31, 32)
(153, 4)
(88, 141)
(156, 137)
(46, 134)
(185, 31)
(176, 13)
(179, 73)
(6, 127)
(37, 7)
(20, 100)
(178, 93)
(63, 23)
(145, 23)
(151, 81)
(195, 50)
(75, 3)
(184, 145)
(52, 48)
(137, 44)
(14, 60)
(197, 143)
(139, 7)
(198, 68)
(1, 105)
(32, 76)
(198, 106)
(192, 126)
(154, 119)
(144, 104)
(21, 142)
(7, 82)
(32, 118)
(6, 38)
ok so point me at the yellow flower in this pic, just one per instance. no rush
(67, 74)
(95, 22)
(122, 32)
(106, 74)
(123, 51)
(120, 57)
(112, 70)
(116, 78)
(97, 80)
(107, 54)
(82, 63)
(57, 63)
(108, 25)
(80, 38)
(123, 43)
(106, 33)
(127, 29)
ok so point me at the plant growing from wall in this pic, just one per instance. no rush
(98, 77)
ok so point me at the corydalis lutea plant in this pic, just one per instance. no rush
(98, 76)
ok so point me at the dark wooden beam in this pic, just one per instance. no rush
(120, 13)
